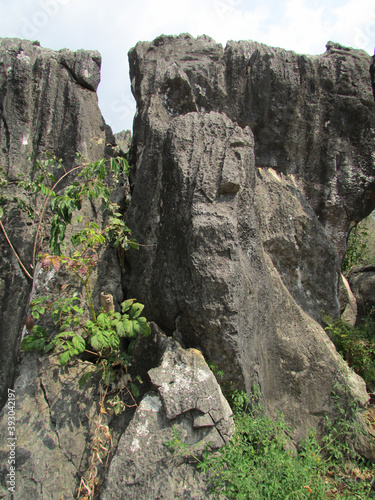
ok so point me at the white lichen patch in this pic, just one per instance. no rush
(150, 403)
(23, 57)
(142, 429)
(135, 446)
(202, 375)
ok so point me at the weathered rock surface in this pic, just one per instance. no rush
(47, 102)
(54, 423)
(348, 302)
(362, 284)
(312, 116)
(188, 401)
(240, 259)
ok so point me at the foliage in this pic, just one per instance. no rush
(259, 462)
(356, 344)
(101, 335)
(357, 247)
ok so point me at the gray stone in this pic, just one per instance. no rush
(362, 284)
(240, 259)
(348, 302)
(312, 116)
(54, 420)
(188, 402)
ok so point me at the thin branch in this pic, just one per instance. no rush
(15, 253)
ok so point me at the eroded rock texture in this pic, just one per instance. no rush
(250, 164)
(187, 400)
(47, 102)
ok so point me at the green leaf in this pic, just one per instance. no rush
(49, 347)
(79, 343)
(126, 305)
(85, 378)
(134, 390)
(64, 358)
(142, 327)
(136, 310)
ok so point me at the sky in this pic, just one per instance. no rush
(114, 26)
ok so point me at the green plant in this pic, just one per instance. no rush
(101, 335)
(357, 247)
(356, 344)
(259, 462)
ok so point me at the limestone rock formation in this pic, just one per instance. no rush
(312, 116)
(362, 284)
(186, 399)
(47, 102)
(250, 163)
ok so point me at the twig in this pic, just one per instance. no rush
(15, 253)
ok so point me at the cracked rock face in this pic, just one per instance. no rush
(241, 259)
(188, 401)
(54, 423)
(47, 103)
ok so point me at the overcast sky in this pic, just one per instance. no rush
(114, 26)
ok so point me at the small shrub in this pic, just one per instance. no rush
(356, 345)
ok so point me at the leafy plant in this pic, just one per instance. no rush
(259, 462)
(102, 334)
(356, 344)
(357, 247)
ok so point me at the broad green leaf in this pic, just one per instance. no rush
(64, 358)
(142, 327)
(136, 310)
(134, 390)
(96, 342)
(114, 341)
(79, 343)
(121, 328)
(126, 305)
(85, 378)
(49, 347)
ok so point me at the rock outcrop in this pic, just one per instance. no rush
(187, 401)
(362, 284)
(250, 164)
(48, 102)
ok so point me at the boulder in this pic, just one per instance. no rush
(54, 423)
(240, 257)
(186, 401)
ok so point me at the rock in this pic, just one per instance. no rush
(47, 102)
(362, 284)
(54, 420)
(188, 401)
(240, 259)
(296, 242)
(312, 116)
(348, 302)
(123, 140)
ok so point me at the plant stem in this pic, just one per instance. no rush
(15, 253)
(44, 207)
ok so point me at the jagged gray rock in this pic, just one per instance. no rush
(238, 260)
(188, 401)
(312, 116)
(55, 422)
(362, 283)
(47, 102)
